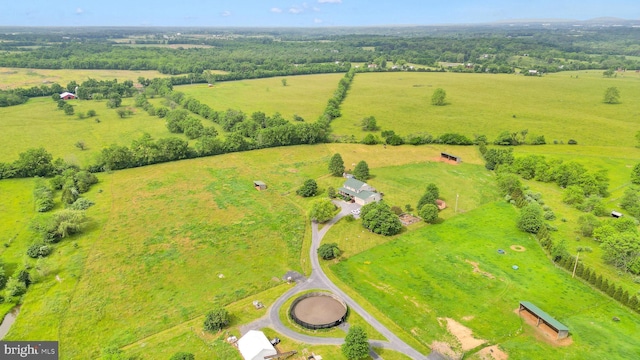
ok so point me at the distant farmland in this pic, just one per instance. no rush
(304, 95)
(11, 78)
(560, 106)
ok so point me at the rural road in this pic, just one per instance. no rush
(318, 280)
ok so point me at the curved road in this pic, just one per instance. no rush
(318, 280)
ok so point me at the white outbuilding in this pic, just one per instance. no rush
(254, 345)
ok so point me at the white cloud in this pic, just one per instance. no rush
(295, 10)
(276, 10)
(315, 8)
(79, 11)
(317, 21)
(330, 1)
(226, 13)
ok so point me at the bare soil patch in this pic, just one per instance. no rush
(408, 219)
(518, 248)
(441, 204)
(441, 159)
(463, 334)
(468, 318)
(444, 349)
(544, 332)
(492, 352)
(476, 269)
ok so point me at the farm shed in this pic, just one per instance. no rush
(254, 345)
(450, 157)
(67, 96)
(616, 214)
(259, 185)
(542, 317)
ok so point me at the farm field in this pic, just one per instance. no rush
(11, 78)
(431, 270)
(304, 95)
(166, 232)
(38, 123)
(560, 106)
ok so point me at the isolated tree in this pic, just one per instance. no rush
(612, 95)
(91, 113)
(356, 344)
(531, 218)
(329, 251)
(331, 192)
(429, 213)
(80, 145)
(361, 172)
(635, 174)
(439, 97)
(308, 189)
(369, 124)
(336, 165)
(284, 82)
(68, 109)
(430, 196)
(216, 319)
(322, 210)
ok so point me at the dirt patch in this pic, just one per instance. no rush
(408, 219)
(444, 349)
(518, 248)
(441, 204)
(468, 318)
(463, 334)
(444, 160)
(492, 352)
(476, 269)
(543, 332)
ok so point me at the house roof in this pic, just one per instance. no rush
(259, 183)
(66, 93)
(347, 191)
(364, 195)
(253, 343)
(544, 316)
(354, 183)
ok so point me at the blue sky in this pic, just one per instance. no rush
(307, 13)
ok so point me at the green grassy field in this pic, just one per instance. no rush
(618, 161)
(425, 273)
(38, 123)
(562, 106)
(305, 95)
(166, 232)
(11, 78)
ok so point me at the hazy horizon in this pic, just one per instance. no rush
(315, 13)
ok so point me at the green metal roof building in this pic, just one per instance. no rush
(543, 317)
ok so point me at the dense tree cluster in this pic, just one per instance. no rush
(329, 251)
(377, 217)
(308, 189)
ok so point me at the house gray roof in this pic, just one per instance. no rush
(544, 316)
(354, 183)
(347, 191)
(259, 183)
(364, 195)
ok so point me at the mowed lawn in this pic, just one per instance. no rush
(38, 123)
(424, 275)
(560, 106)
(304, 95)
(11, 78)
